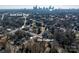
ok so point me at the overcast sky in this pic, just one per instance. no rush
(28, 3)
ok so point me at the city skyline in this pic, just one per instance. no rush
(41, 6)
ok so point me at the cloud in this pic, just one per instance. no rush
(39, 2)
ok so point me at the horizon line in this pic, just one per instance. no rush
(41, 6)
